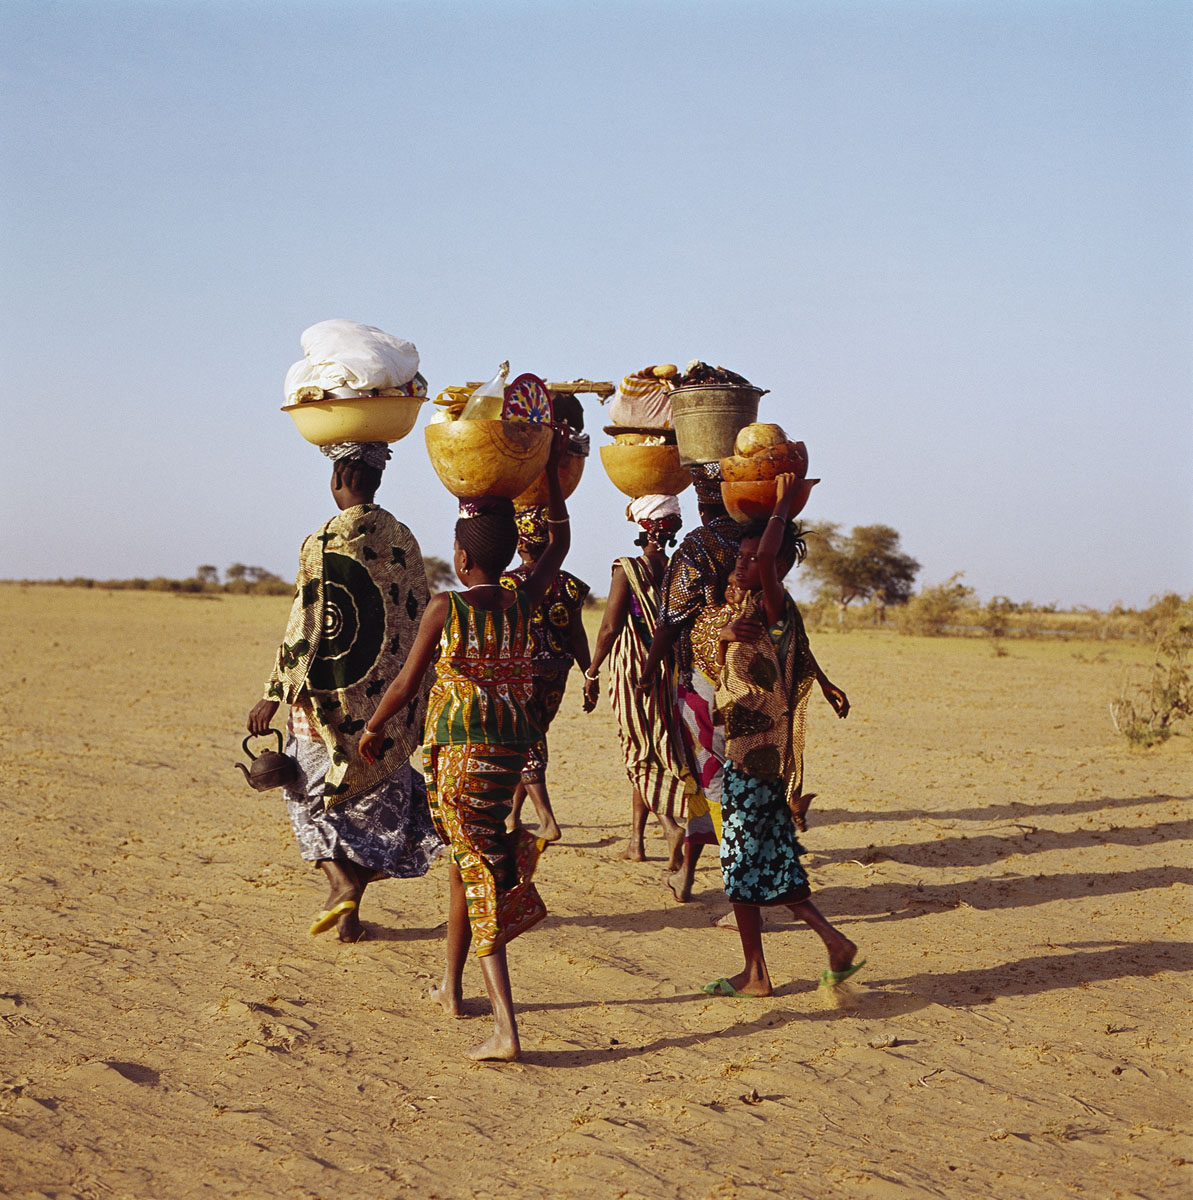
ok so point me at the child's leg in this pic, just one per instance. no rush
(635, 850)
(503, 1046)
(841, 951)
(450, 991)
(537, 791)
(514, 820)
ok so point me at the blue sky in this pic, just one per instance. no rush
(952, 239)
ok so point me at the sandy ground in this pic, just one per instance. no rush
(1017, 878)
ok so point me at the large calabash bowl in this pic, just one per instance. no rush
(488, 458)
(571, 467)
(645, 470)
(748, 499)
(355, 419)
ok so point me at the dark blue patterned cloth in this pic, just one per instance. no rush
(760, 856)
(387, 829)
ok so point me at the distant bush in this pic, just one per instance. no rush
(935, 609)
(1147, 711)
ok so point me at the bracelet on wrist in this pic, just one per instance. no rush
(592, 678)
(558, 520)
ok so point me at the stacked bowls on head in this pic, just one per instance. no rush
(644, 462)
(761, 454)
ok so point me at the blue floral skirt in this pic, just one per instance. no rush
(760, 856)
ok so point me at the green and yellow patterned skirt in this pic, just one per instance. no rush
(469, 789)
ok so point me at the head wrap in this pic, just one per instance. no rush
(652, 508)
(706, 478)
(533, 534)
(486, 506)
(372, 454)
(658, 516)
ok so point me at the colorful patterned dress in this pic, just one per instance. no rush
(551, 655)
(761, 703)
(650, 738)
(477, 733)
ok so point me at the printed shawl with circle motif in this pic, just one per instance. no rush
(359, 596)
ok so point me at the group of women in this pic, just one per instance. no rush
(371, 668)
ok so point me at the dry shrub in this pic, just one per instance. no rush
(937, 608)
(1146, 711)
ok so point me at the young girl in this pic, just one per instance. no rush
(478, 732)
(766, 676)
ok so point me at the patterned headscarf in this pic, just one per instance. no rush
(658, 514)
(706, 478)
(372, 454)
(533, 534)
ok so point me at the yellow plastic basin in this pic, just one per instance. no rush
(358, 419)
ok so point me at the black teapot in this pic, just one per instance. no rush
(271, 768)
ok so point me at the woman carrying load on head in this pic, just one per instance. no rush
(557, 640)
(651, 741)
(360, 593)
(693, 589)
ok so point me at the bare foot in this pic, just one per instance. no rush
(680, 888)
(548, 829)
(634, 851)
(451, 1002)
(674, 836)
(498, 1048)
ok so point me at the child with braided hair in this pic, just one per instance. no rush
(479, 730)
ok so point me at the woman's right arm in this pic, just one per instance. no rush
(405, 687)
(616, 608)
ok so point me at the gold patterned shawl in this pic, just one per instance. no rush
(762, 695)
(359, 596)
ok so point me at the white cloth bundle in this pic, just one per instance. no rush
(345, 358)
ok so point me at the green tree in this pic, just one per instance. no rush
(867, 562)
(207, 574)
(236, 572)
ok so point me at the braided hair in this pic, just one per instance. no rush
(490, 536)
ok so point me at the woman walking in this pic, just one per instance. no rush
(646, 721)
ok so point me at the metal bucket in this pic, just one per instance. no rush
(707, 417)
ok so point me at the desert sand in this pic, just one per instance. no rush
(1017, 877)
